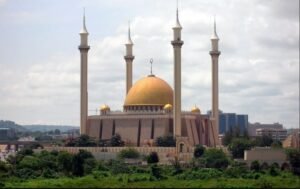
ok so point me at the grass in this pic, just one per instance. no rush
(128, 181)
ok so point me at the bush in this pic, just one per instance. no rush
(294, 158)
(206, 173)
(88, 165)
(26, 173)
(156, 172)
(238, 145)
(165, 141)
(255, 166)
(49, 173)
(116, 140)
(118, 167)
(199, 150)
(152, 158)
(264, 166)
(215, 158)
(129, 153)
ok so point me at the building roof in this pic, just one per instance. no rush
(150, 90)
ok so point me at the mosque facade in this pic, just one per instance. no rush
(151, 108)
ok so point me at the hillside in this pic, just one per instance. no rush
(12, 125)
(44, 128)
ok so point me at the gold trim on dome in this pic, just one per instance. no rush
(168, 106)
(149, 91)
(104, 107)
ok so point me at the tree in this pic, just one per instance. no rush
(199, 150)
(64, 160)
(264, 140)
(255, 165)
(276, 144)
(85, 140)
(57, 131)
(294, 158)
(165, 141)
(215, 158)
(78, 162)
(238, 146)
(152, 158)
(130, 153)
(116, 140)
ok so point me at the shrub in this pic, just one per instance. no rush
(156, 172)
(294, 158)
(215, 158)
(118, 167)
(255, 165)
(130, 153)
(116, 140)
(165, 141)
(26, 173)
(152, 158)
(264, 166)
(206, 173)
(238, 145)
(49, 173)
(199, 150)
(88, 165)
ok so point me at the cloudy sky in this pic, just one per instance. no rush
(39, 67)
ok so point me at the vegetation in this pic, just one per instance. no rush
(199, 150)
(152, 158)
(165, 141)
(129, 153)
(237, 147)
(212, 169)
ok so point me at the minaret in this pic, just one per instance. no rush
(83, 48)
(129, 59)
(177, 43)
(215, 82)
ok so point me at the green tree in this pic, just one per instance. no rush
(152, 158)
(294, 158)
(130, 153)
(238, 146)
(85, 140)
(255, 166)
(165, 141)
(276, 144)
(215, 158)
(199, 151)
(264, 140)
(116, 140)
(78, 162)
(89, 165)
(30, 162)
(64, 160)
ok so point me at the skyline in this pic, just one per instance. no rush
(258, 67)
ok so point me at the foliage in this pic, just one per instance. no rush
(64, 160)
(165, 141)
(82, 141)
(234, 132)
(130, 153)
(236, 170)
(264, 166)
(205, 173)
(238, 146)
(119, 167)
(294, 158)
(78, 162)
(215, 158)
(116, 140)
(264, 140)
(176, 166)
(156, 172)
(276, 144)
(255, 166)
(152, 158)
(199, 150)
(89, 165)
(30, 162)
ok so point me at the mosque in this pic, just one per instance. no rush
(151, 108)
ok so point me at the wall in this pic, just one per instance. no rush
(265, 154)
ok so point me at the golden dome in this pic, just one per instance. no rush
(168, 107)
(195, 109)
(151, 91)
(104, 107)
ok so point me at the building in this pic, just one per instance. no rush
(151, 107)
(253, 126)
(229, 121)
(276, 134)
(293, 140)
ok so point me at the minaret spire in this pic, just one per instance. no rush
(215, 53)
(83, 48)
(177, 43)
(83, 30)
(129, 59)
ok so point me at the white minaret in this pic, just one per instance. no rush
(129, 59)
(177, 43)
(215, 82)
(83, 48)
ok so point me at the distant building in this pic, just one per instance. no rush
(253, 126)
(228, 121)
(293, 140)
(276, 134)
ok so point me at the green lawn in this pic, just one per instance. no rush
(127, 181)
